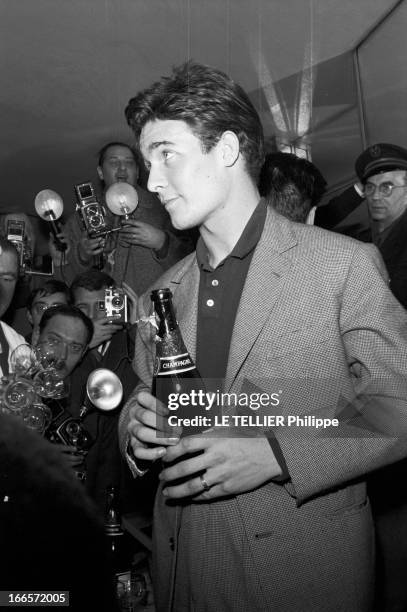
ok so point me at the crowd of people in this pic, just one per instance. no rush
(272, 298)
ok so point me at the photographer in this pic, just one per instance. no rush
(112, 347)
(144, 247)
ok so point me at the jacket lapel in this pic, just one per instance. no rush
(185, 288)
(265, 279)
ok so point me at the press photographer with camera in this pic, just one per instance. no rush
(66, 332)
(112, 347)
(142, 246)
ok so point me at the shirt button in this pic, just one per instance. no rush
(210, 303)
(215, 283)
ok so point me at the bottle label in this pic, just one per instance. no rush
(176, 364)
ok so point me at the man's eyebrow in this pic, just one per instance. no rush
(159, 143)
(129, 156)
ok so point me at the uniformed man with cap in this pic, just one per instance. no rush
(382, 169)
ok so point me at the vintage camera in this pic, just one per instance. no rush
(115, 304)
(67, 430)
(91, 213)
(16, 235)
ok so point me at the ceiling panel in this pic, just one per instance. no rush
(68, 68)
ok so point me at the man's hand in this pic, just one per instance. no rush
(58, 256)
(103, 329)
(149, 431)
(71, 454)
(229, 465)
(138, 233)
(88, 247)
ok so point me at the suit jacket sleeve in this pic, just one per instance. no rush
(143, 366)
(372, 429)
(337, 209)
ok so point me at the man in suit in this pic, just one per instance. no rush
(271, 515)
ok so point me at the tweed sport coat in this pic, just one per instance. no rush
(316, 322)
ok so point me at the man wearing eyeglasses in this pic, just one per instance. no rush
(382, 174)
(382, 169)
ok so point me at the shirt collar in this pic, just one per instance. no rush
(247, 241)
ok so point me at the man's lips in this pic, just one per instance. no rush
(168, 201)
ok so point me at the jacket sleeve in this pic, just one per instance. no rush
(337, 209)
(372, 418)
(143, 366)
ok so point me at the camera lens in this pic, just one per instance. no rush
(95, 221)
(117, 302)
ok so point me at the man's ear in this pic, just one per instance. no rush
(100, 173)
(230, 147)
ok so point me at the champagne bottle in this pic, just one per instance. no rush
(117, 544)
(175, 372)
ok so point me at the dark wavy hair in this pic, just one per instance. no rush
(66, 310)
(207, 100)
(91, 280)
(49, 288)
(292, 185)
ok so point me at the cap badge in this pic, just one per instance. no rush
(375, 151)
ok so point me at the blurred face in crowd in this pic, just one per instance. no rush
(8, 278)
(67, 336)
(386, 208)
(40, 304)
(90, 302)
(118, 165)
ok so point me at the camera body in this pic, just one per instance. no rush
(91, 213)
(115, 304)
(16, 235)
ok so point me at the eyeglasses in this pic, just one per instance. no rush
(385, 189)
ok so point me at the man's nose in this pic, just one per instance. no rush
(376, 194)
(61, 352)
(156, 181)
(121, 168)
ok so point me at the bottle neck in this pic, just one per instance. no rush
(112, 516)
(165, 317)
(171, 352)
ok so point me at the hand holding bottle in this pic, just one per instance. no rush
(225, 463)
(149, 431)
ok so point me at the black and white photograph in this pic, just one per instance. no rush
(203, 294)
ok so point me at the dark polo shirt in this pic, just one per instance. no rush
(219, 295)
